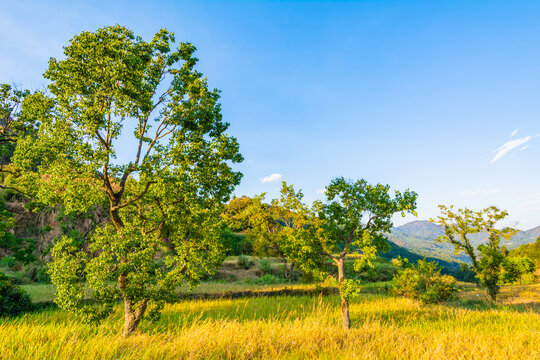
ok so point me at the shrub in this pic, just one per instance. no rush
(244, 262)
(13, 300)
(7, 261)
(269, 280)
(265, 266)
(424, 281)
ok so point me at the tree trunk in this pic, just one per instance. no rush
(132, 316)
(133, 312)
(291, 271)
(344, 302)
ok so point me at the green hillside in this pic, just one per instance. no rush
(531, 250)
(420, 237)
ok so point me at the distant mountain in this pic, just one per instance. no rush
(419, 237)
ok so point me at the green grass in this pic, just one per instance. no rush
(293, 327)
(40, 292)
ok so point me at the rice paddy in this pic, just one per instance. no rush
(293, 327)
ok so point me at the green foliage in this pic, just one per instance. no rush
(356, 217)
(353, 220)
(164, 204)
(531, 251)
(380, 271)
(37, 272)
(487, 263)
(13, 300)
(235, 214)
(244, 262)
(349, 288)
(269, 279)
(21, 250)
(424, 281)
(516, 267)
(236, 244)
(8, 261)
(265, 266)
(279, 229)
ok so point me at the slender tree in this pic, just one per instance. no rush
(136, 130)
(488, 260)
(353, 222)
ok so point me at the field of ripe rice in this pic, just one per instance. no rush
(286, 327)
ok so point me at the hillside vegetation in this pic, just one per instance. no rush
(420, 237)
(530, 250)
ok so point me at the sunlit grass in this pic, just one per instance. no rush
(286, 327)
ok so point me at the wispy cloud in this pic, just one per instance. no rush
(479, 192)
(271, 178)
(523, 148)
(321, 191)
(514, 133)
(509, 145)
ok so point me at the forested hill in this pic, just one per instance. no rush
(419, 237)
(531, 250)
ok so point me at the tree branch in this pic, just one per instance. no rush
(119, 206)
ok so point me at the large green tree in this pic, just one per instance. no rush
(353, 222)
(136, 130)
(487, 259)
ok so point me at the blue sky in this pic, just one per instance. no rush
(439, 97)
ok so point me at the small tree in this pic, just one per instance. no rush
(487, 262)
(278, 228)
(353, 221)
(136, 130)
(424, 281)
(516, 267)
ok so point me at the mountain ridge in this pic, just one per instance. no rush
(420, 236)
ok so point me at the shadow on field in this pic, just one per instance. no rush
(484, 305)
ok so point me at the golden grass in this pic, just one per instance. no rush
(285, 327)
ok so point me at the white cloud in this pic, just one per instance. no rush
(514, 133)
(479, 192)
(271, 178)
(506, 147)
(523, 148)
(321, 191)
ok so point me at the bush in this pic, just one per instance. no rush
(7, 261)
(265, 266)
(424, 281)
(269, 280)
(244, 262)
(13, 300)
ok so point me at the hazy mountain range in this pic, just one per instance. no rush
(419, 237)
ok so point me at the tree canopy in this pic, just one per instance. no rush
(134, 129)
(354, 220)
(488, 260)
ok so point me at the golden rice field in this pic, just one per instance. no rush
(293, 328)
